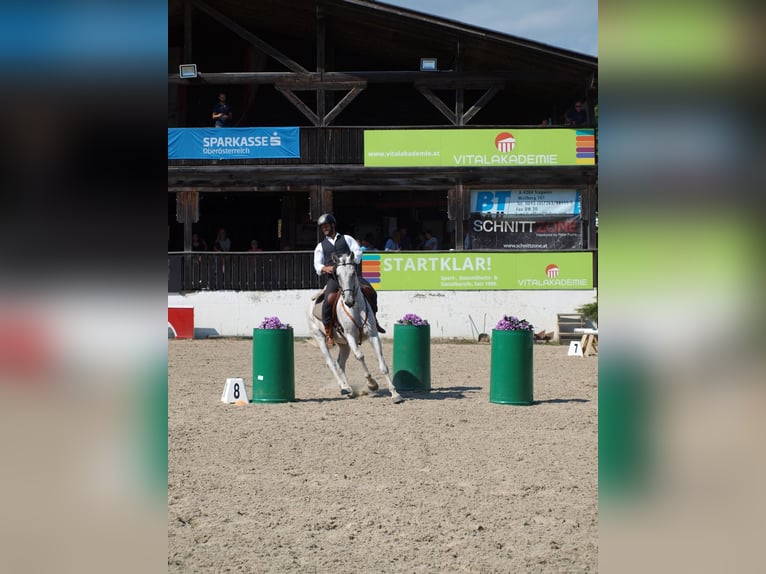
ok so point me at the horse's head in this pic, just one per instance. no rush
(345, 273)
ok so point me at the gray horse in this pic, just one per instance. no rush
(353, 323)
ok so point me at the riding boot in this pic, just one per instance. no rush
(378, 327)
(328, 336)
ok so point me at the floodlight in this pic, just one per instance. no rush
(188, 70)
(428, 65)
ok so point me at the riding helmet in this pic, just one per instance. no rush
(326, 218)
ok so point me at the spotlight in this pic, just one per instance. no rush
(188, 70)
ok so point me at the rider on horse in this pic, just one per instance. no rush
(339, 244)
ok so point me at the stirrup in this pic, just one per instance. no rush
(328, 338)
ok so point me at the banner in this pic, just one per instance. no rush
(472, 271)
(233, 143)
(479, 148)
(527, 202)
(502, 232)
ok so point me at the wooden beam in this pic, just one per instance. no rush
(438, 104)
(300, 104)
(341, 105)
(480, 103)
(320, 42)
(250, 37)
(187, 32)
(315, 83)
(437, 80)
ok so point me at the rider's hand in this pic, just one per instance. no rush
(327, 269)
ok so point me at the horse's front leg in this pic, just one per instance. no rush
(376, 344)
(336, 368)
(343, 353)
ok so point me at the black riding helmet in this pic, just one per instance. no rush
(326, 218)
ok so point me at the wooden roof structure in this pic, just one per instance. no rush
(351, 64)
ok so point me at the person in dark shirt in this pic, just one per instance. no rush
(334, 242)
(578, 116)
(222, 112)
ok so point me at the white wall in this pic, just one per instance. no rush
(236, 313)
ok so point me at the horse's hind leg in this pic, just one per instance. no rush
(376, 344)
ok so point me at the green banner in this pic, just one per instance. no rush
(472, 271)
(482, 148)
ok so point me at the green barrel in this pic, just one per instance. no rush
(412, 357)
(273, 366)
(510, 379)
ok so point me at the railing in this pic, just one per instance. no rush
(248, 271)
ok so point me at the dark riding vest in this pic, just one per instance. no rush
(340, 248)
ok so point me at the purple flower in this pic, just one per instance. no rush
(273, 323)
(511, 323)
(412, 319)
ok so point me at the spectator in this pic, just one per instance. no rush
(431, 244)
(223, 241)
(222, 113)
(392, 243)
(467, 242)
(198, 244)
(366, 243)
(578, 116)
(404, 240)
(254, 246)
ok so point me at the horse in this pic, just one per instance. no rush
(353, 323)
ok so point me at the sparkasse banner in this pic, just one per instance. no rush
(233, 143)
(472, 271)
(508, 147)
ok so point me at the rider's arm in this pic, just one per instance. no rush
(318, 259)
(355, 248)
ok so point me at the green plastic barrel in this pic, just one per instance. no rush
(273, 366)
(412, 357)
(510, 379)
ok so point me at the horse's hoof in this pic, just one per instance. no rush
(345, 391)
(372, 385)
(397, 398)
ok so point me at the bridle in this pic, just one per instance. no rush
(358, 299)
(335, 273)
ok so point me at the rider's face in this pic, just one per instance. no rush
(326, 228)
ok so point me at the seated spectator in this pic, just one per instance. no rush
(392, 243)
(431, 244)
(366, 243)
(198, 244)
(254, 246)
(578, 116)
(404, 240)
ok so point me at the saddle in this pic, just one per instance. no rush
(369, 294)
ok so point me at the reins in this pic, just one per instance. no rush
(359, 298)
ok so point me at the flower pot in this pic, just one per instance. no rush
(510, 380)
(273, 366)
(412, 357)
